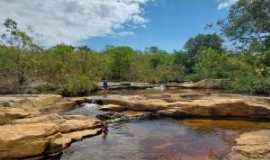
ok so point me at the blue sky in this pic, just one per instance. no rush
(170, 24)
(167, 24)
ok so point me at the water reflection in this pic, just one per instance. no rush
(162, 140)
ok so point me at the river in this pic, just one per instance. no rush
(160, 139)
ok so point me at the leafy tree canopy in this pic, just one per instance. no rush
(193, 45)
(248, 22)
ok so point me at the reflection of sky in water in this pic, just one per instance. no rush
(152, 140)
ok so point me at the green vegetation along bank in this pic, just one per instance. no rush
(75, 70)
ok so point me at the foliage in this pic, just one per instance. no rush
(195, 44)
(119, 61)
(248, 22)
(75, 71)
(212, 64)
(78, 86)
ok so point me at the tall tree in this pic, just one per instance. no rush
(120, 59)
(248, 23)
(193, 45)
(15, 37)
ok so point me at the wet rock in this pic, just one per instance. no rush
(251, 146)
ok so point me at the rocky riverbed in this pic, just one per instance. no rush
(34, 126)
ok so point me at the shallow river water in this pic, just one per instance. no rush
(160, 139)
(163, 139)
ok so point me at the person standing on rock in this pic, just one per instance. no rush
(104, 87)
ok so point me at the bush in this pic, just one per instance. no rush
(79, 86)
(251, 84)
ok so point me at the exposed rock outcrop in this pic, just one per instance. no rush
(31, 126)
(203, 84)
(211, 106)
(251, 146)
(36, 104)
(43, 136)
(127, 85)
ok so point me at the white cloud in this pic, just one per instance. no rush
(225, 3)
(71, 21)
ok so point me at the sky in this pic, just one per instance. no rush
(167, 24)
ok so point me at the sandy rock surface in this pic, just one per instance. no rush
(32, 126)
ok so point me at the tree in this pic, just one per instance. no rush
(119, 60)
(158, 56)
(84, 48)
(62, 49)
(212, 64)
(15, 37)
(185, 61)
(193, 45)
(18, 64)
(248, 22)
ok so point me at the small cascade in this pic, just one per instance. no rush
(87, 109)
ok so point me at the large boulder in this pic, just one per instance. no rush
(251, 146)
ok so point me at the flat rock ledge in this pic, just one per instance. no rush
(203, 84)
(179, 106)
(251, 146)
(32, 126)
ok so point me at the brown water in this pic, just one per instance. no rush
(163, 139)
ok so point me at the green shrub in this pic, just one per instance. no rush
(79, 86)
(251, 84)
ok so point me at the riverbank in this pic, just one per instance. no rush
(36, 87)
